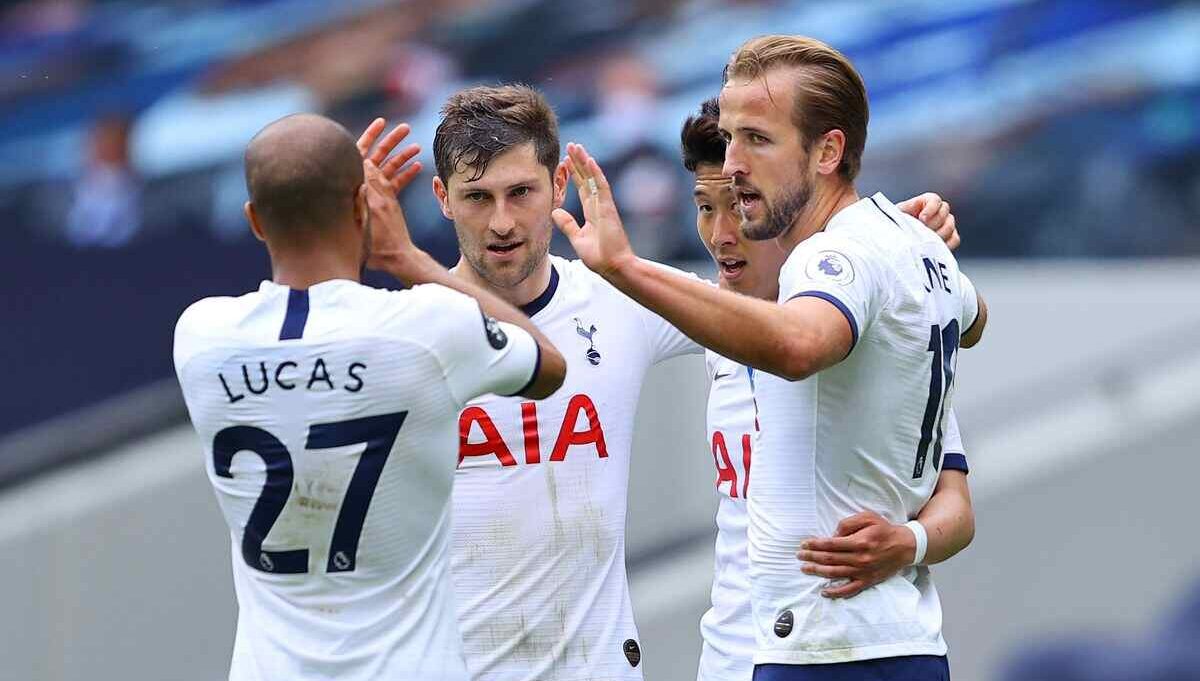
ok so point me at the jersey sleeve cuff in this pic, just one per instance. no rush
(954, 461)
(537, 368)
(836, 302)
(970, 303)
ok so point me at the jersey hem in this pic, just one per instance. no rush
(835, 655)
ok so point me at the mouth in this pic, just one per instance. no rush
(506, 248)
(731, 267)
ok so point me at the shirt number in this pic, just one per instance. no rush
(943, 343)
(378, 432)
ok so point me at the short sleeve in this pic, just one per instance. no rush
(970, 302)
(839, 271)
(479, 355)
(666, 341)
(954, 455)
(193, 331)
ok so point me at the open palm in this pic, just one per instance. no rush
(601, 242)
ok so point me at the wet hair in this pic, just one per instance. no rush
(480, 123)
(700, 140)
(830, 95)
(302, 174)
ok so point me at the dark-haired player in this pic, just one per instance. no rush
(874, 548)
(328, 413)
(540, 494)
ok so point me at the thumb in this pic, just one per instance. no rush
(565, 222)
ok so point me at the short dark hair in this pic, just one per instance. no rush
(830, 94)
(700, 140)
(303, 173)
(480, 123)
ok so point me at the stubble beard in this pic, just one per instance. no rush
(780, 214)
(476, 257)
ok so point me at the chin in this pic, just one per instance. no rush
(506, 277)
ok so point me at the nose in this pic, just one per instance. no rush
(725, 230)
(503, 222)
(734, 163)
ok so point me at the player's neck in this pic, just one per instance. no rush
(827, 201)
(522, 294)
(304, 269)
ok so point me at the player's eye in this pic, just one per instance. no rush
(476, 197)
(705, 208)
(521, 191)
(756, 138)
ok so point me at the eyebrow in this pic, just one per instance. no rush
(471, 187)
(753, 131)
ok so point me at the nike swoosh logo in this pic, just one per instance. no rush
(720, 376)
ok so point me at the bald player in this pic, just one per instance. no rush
(328, 411)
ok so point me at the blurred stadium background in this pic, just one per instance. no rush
(1065, 133)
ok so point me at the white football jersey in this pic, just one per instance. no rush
(865, 434)
(540, 496)
(328, 419)
(727, 628)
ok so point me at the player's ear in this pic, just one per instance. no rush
(252, 217)
(829, 150)
(361, 209)
(443, 197)
(560, 178)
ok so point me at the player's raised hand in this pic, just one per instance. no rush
(866, 551)
(391, 249)
(601, 242)
(934, 211)
(398, 170)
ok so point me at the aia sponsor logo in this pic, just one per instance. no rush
(727, 471)
(581, 427)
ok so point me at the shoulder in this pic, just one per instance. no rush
(574, 275)
(719, 363)
(425, 311)
(212, 316)
(839, 257)
(711, 361)
(206, 320)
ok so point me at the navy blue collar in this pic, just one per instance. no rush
(538, 304)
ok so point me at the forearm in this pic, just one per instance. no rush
(420, 268)
(948, 518)
(747, 330)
